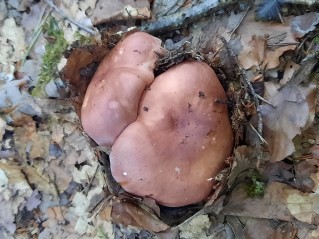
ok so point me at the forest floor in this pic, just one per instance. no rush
(56, 183)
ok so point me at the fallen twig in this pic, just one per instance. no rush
(259, 136)
(264, 100)
(62, 14)
(180, 19)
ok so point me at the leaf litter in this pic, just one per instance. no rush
(55, 182)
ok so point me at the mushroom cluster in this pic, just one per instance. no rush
(170, 135)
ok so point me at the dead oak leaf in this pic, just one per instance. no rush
(289, 113)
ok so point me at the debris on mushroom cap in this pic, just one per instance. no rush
(112, 98)
(176, 147)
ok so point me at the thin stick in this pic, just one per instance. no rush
(182, 18)
(264, 100)
(259, 136)
(61, 13)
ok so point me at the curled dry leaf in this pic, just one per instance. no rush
(81, 66)
(292, 108)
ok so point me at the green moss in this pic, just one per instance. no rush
(256, 186)
(53, 52)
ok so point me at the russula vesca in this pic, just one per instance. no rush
(176, 147)
(169, 141)
(112, 98)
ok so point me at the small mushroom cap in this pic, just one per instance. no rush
(180, 140)
(112, 98)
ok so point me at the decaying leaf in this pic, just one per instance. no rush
(43, 182)
(166, 7)
(298, 175)
(14, 191)
(303, 206)
(290, 111)
(258, 228)
(198, 227)
(11, 33)
(271, 206)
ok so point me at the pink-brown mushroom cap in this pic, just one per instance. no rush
(112, 98)
(180, 139)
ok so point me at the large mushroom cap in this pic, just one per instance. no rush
(112, 98)
(180, 140)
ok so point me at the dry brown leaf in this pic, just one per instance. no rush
(129, 213)
(272, 56)
(14, 191)
(105, 213)
(80, 68)
(42, 182)
(249, 28)
(290, 111)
